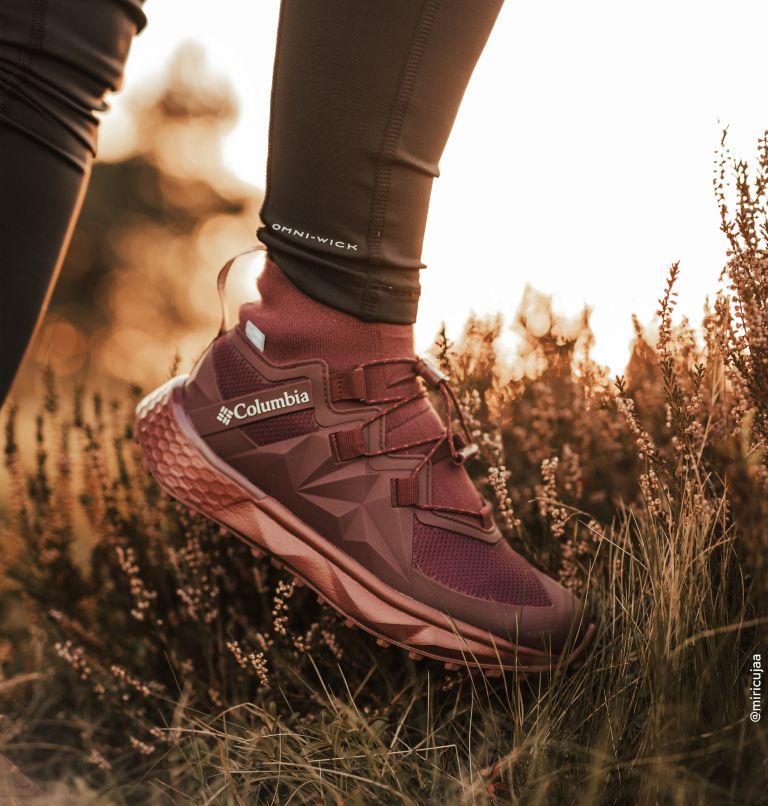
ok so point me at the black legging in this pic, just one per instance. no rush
(364, 96)
(57, 60)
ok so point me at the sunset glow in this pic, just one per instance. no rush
(581, 161)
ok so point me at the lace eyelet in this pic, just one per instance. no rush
(465, 453)
(428, 370)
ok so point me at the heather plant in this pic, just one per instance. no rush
(740, 327)
(149, 657)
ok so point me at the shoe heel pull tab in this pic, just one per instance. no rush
(221, 282)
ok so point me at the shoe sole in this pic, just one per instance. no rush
(187, 470)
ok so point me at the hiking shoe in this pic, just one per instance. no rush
(310, 434)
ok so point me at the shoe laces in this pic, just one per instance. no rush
(461, 446)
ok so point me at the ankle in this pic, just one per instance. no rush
(296, 327)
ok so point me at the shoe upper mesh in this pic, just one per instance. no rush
(284, 426)
(470, 566)
(234, 375)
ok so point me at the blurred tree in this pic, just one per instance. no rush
(136, 285)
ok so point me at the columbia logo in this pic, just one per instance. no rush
(264, 407)
(228, 414)
(225, 415)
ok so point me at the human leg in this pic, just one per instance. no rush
(364, 97)
(57, 60)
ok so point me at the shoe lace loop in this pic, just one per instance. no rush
(460, 444)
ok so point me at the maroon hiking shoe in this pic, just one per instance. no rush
(309, 433)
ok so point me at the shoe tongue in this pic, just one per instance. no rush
(287, 325)
(451, 484)
(412, 422)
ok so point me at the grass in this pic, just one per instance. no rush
(147, 658)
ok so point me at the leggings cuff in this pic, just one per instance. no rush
(372, 298)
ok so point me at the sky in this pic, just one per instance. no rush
(581, 161)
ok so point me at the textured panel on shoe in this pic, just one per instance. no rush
(236, 377)
(284, 426)
(485, 570)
